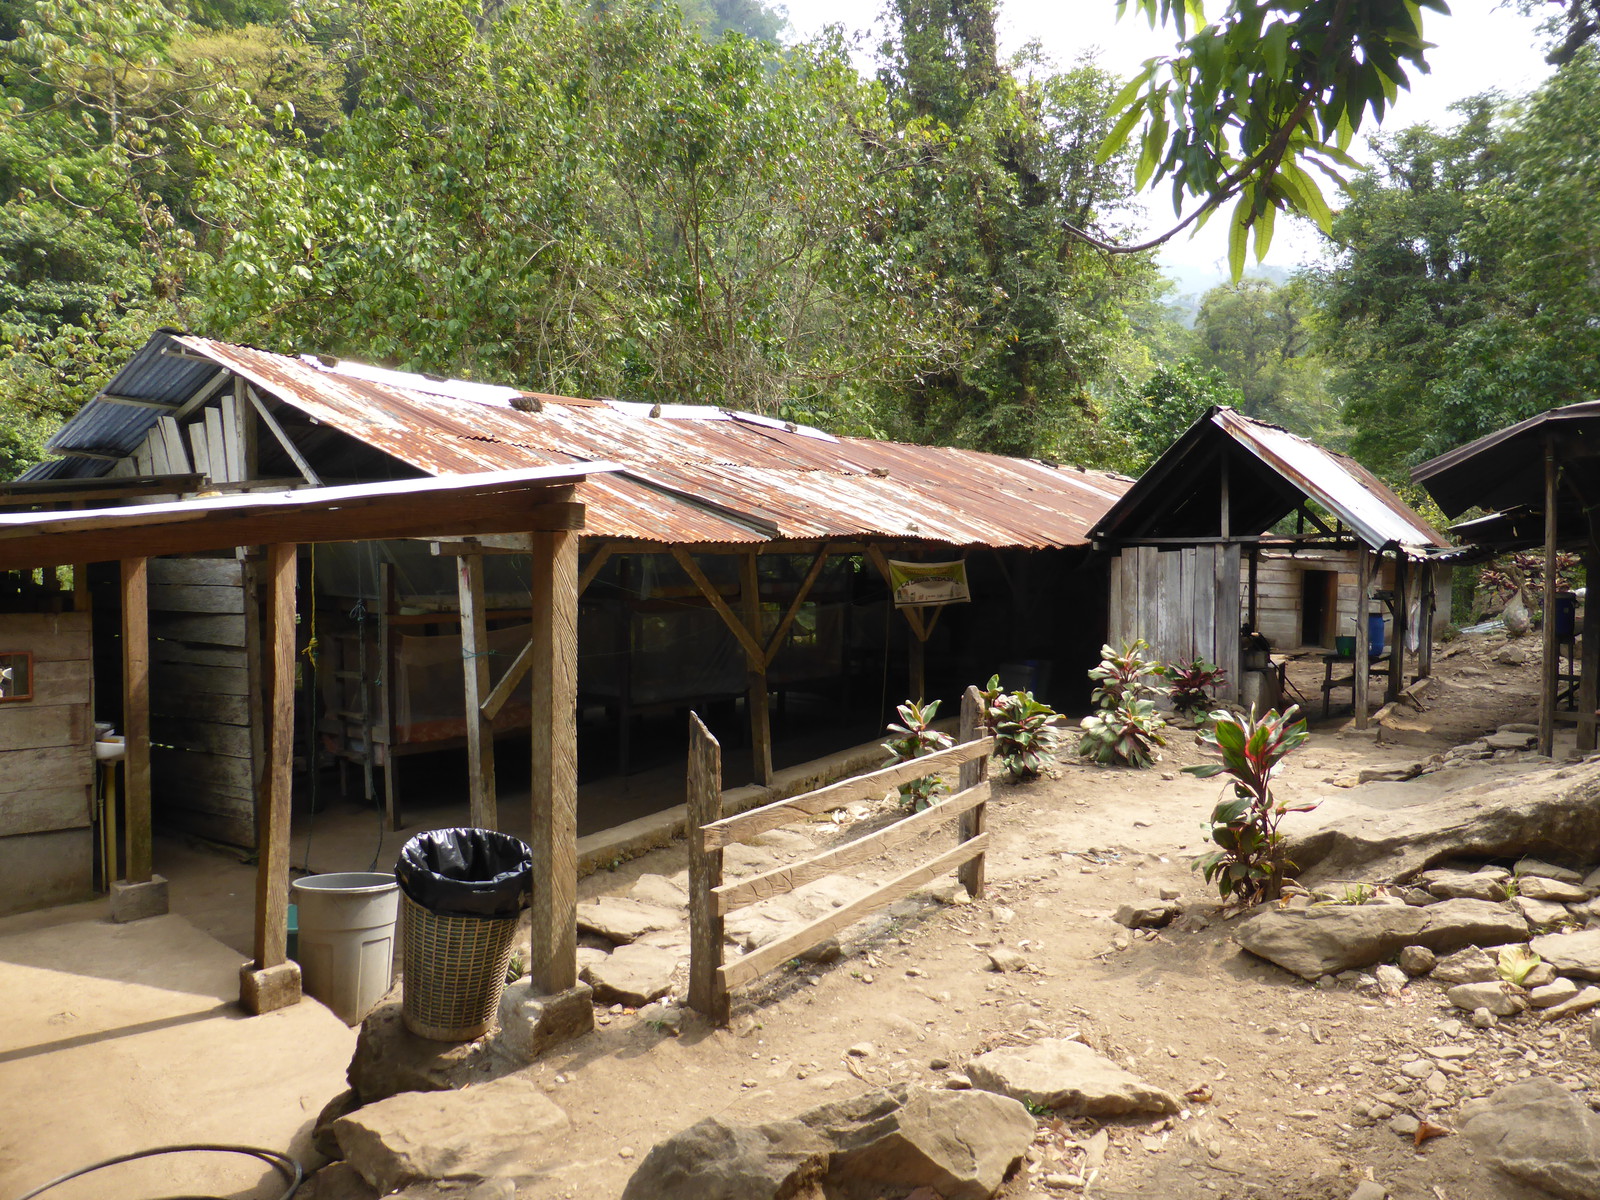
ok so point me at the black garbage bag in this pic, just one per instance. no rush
(466, 872)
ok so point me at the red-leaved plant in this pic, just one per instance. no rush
(1250, 864)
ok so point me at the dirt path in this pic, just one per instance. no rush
(1290, 1071)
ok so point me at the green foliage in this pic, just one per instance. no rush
(1170, 401)
(1126, 734)
(1255, 335)
(1025, 739)
(1250, 862)
(1194, 685)
(915, 737)
(1128, 726)
(1514, 962)
(1253, 101)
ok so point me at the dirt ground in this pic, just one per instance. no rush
(1287, 1070)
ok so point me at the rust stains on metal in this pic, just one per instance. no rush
(697, 475)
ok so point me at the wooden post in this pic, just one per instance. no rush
(1255, 570)
(1363, 642)
(475, 670)
(386, 695)
(707, 995)
(1589, 664)
(756, 673)
(917, 660)
(554, 785)
(973, 772)
(272, 809)
(1397, 652)
(1552, 649)
(1225, 617)
(1429, 606)
(136, 716)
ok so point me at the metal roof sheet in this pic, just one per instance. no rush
(1505, 469)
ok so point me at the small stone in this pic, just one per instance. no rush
(862, 1050)
(1594, 1031)
(1420, 1069)
(1588, 998)
(1533, 866)
(1003, 959)
(1369, 1190)
(1417, 960)
(1499, 998)
(1171, 893)
(1539, 975)
(1471, 965)
(1147, 914)
(1482, 1018)
(957, 1083)
(1536, 887)
(1390, 979)
(1482, 885)
(1380, 1111)
(1404, 1124)
(938, 1064)
(625, 1152)
(1552, 994)
(1541, 912)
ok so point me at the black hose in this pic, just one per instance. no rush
(286, 1166)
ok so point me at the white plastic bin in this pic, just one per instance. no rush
(347, 921)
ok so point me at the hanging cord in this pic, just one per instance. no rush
(282, 1163)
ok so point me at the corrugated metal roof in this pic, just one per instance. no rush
(1336, 481)
(1505, 469)
(1272, 471)
(690, 474)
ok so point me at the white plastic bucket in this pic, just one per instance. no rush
(347, 921)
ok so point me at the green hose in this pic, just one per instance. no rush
(286, 1166)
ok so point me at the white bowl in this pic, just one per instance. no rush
(110, 749)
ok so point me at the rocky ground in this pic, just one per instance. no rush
(1279, 1086)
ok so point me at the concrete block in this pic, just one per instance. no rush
(136, 901)
(263, 991)
(531, 1023)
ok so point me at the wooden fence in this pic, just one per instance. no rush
(711, 900)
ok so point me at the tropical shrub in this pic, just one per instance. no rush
(1126, 675)
(1024, 738)
(915, 737)
(1127, 734)
(1194, 685)
(1250, 863)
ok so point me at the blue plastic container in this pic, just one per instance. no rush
(1375, 634)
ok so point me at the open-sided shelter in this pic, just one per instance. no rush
(1539, 481)
(733, 556)
(538, 504)
(1243, 527)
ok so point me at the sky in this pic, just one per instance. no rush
(1482, 45)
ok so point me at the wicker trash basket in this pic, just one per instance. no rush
(461, 891)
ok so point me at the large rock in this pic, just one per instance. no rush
(1328, 938)
(632, 975)
(1069, 1078)
(1540, 1133)
(962, 1145)
(619, 919)
(1472, 965)
(1558, 891)
(1500, 998)
(390, 1059)
(1458, 885)
(714, 1160)
(661, 890)
(532, 1022)
(1552, 812)
(1534, 866)
(1571, 953)
(1540, 913)
(500, 1130)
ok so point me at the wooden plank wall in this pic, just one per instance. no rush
(47, 765)
(204, 720)
(1171, 599)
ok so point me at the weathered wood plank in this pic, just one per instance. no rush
(1168, 602)
(481, 798)
(172, 439)
(199, 451)
(231, 829)
(974, 775)
(272, 818)
(501, 692)
(181, 653)
(219, 773)
(216, 630)
(34, 725)
(758, 962)
(1114, 609)
(63, 681)
(136, 717)
(1358, 688)
(212, 709)
(704, 793)
(203, 737)
(554, 783)
(44, 809)
(1228, 616)
(186, 598)
(48, 766)
(196, 572)
(220, 681)
(782, 880)
(756, 690)
(746, 825)
(217, 447)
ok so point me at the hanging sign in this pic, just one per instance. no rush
(916, 584)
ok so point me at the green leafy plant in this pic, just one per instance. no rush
(1250, 863)
(1127, 729)
(1356, 894)
(1126, 675)
(1194, 685)
(1024, 739)
(1515, 962)
(915, 737)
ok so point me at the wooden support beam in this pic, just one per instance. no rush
(707, 996)
(1402, 618)
(592, 568)
(501, 692)
(136, 716)
(1430, 602)
(481, 799)
(1552, 651)
(272, 809)
(920, 629)
(386, 695)
(747, 642)
(554, 784)
(775, 642)
(138, 402)
(756, 692)
(1589, 662)
(974, 776)
(289, 447)
(1363, 643)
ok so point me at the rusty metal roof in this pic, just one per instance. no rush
(1505, 469)
(690, 474)
(1270, 472)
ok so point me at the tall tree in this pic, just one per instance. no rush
(1255, 335)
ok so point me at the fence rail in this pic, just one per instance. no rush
(711, 979)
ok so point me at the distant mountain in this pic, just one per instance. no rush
(1190, 284)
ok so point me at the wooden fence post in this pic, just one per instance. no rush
(973, 772)
(707, 994)
(136, 716)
